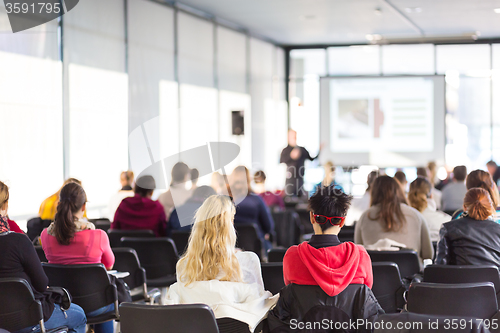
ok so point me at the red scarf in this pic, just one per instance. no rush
(4, 224)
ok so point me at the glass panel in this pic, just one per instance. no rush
(408, 59)
(354, 60)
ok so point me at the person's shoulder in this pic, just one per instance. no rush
(409, 210)
(247, 258)
(291, 253)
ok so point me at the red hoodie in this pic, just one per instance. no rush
(140, 213)
(332, 268)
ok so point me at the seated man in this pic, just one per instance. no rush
(325, 279)
(140, 212)
(182, 218)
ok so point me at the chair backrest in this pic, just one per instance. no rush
(158, 256)
(272, 275)
(102, 223)
(89, 284)
(462, 274)
(139, 318)
(115, 235)
(477, 300)
(126, 260)
(248, 238)
(230, 325)
(41, 253)
(387, 286)
(407, 260)
(288, 228)
(18, 307)
(346, 234)
(276, 255)
(181, 240)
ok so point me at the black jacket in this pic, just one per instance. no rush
(469, 242)
(300, 307)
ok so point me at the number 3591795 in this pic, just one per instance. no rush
(33, 8)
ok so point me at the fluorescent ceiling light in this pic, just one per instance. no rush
(497, 10)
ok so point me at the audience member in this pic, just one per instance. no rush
(390, 217)
(4, 201)
(400, 176)
(325, 262)
(420, 198)
(272, 200)
(182, 218)
(428, 174)
(482, 179)
(70, 240)
(194, 175)
(126, 180)
(494, 171)
(473, 239)
(139, 211)
(360, 205)
(454, 192)
(328, 180)
(251, 208)
(214, 273)
(19, 260)
(178, 193)
(218, 183)
(48, 207)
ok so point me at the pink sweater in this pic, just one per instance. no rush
(87, 247)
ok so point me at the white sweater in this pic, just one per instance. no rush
(245, 301)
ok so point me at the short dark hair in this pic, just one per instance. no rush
(400, 176)
(195, 174)
(144, 186)
(492, 163)
(330, 201)
(460, 172)
(179, 172)
(259, 177)
(422, 172)
(203, 192)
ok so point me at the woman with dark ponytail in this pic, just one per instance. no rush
(474, 238)
(19, 260)
(72, 240)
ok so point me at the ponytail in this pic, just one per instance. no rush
(71, 199)
(478, 204)
(420, 190)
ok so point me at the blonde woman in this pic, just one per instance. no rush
(420, 198)
(213, 272)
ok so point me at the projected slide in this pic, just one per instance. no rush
(382, 114)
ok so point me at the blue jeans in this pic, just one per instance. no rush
(107, 327)
(74, 318)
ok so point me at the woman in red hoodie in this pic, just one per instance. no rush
(139, 211)
(325, 277)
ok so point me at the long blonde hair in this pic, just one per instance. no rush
(211, 248)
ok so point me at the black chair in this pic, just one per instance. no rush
(139, 318)
(463, 274)
(41, 253)
(424, 323)
(276, 255)
(126, 260)
(272, 275)
(387, 286)
(115, 235)
(346, 234)
(158, 256)
(288, 227)
(477, 300)
(102, 223)
(181, 240)
(248, 238)
(19, 309)
(230, 325)
(407, 260)
(35, 227)
(89, 285)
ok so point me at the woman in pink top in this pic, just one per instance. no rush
(70, 240)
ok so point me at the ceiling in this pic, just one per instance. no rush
(309, 22)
